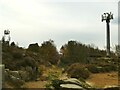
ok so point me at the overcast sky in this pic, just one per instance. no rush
(35, 21)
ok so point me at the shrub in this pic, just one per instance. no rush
(78, 71)
(52, 76)
(106, 68)
(49, 52)
(41, 69)
(13, 44)
(53, 81)
(93, 68)
(33, 47)
(29, 61)
(56, 83)
(17, 55)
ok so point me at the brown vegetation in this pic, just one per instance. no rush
(103, 79)
(78, 71)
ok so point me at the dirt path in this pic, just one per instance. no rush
(103, 79)
(35, 84)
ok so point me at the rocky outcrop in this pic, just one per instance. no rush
(18, 78)
(16, 81)
(74, 83)
(72, 86)
(15, 74)
(71, 83)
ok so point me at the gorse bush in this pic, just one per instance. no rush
(97, 69)
(29, 61)
(49, 52)
(74, 52)
(78, 71)
(17, 55)
(93, 68)
(33, 47)
(109, 68)
(52, 76)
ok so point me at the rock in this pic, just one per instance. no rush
(112, 87)
(24, 75)
(15, 74)
(76, 82)
(16, 81)
(72, 86)
(22, 68)
(7, 77)
(28, 69)
(72, 80)
(72, 83)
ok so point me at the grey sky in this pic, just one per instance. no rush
(32, 21)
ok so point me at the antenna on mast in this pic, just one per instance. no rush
(6, 38)
(107, 17)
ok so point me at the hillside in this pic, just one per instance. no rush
(45, 64)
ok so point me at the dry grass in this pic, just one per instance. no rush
(103, 79)
(37, 84)
(42, 82)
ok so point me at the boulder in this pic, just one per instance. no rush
(73, 80)
(7, 77)
(72, 86)
(16, 81)
(24, 75)
(113, 87)
(15, 74)
(29, 69)
(72, 83)
(76, 82)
